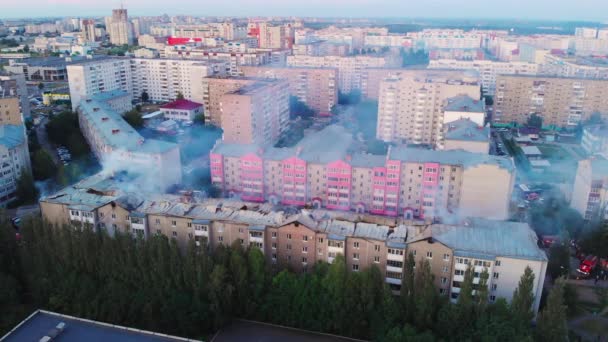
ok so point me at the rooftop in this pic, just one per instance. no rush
(464, 103)
(182, 104)
(43, 323)
(599, 166)
(531, 151)
(597, 130)
(12, 136)
(60, 61)
(467, 130)
(487, 239)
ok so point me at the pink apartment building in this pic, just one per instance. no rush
(326, 170)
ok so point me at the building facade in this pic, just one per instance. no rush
(316, 87)
(325, 170)
(119, 28)
(590, 192)
(14, 155)
(411, 105)
(182, 110)
(560, 101)
(595, 140)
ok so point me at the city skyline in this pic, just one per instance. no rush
(562, 10)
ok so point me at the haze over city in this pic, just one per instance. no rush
(514, 9)
(303, 170)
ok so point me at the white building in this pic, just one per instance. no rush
(119, 28)
(595, 140)
(14, 158)
(488, 70)
(182, 110)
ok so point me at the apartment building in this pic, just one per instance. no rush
(595, 140)
(580, 67)
(446, 39)
(411, 105)
(257, 113)
(326, 170)
(488, 70)
(560, 101)
(164, 79)
(590, 191)
(214, 87)
(14, 85)
(502, 249)
(234, 60)
(14, 152)
(317, 87)
(301, 239)
(88, 30)
(119, 147)
(95, 76)
(119, 28)
(350, 69)
(10, 111)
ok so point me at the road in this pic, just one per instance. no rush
(43, 139)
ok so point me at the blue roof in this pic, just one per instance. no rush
(12, 136)
(76, 329)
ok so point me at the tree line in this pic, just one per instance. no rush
(151, 284)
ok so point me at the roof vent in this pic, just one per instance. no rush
(96, 109)
(105, 118)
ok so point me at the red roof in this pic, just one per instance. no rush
(182, 104)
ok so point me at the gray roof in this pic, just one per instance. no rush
(484, 238)
(597, 130)
(12, 136)
(531, 150)
(115, 131)
(41, 323)
(463, 103)
(452, 157)
(466, 130)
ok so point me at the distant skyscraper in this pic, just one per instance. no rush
(88, 28)
(119, 27)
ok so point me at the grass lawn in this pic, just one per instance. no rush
(595, 326)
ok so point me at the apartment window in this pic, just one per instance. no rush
(173, 223)
(288, 236)
(356, 244)
(494, 287)
(445, 269)
(189, 235)
(240, 230)
(158, 231)
(459, 272)
(220, 238)
(444, 280)
(274, 235)
(355, 267)
(304, 249)
(377, 248)
(241, 241)
(113, 215)
(289, 246)
(377, 259)
(320, 251)
(304, 260)
(289, 258)
(174, 234)
(441, 291)
(274, 245)
(492, 298)
(497, 263)
(414, 252)
(189, 224)
(157, 221)
(446, 257)
(100, 214)
(355, 256)
(495, 275)
(429, 255)
(320, 240)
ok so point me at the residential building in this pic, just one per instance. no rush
(257, 113)
(10, 111)
(120, 148)
(585, 32)
(457, 54)
(501, 249)
(429, 39)
(464, 107)
(14, 85)
(214, 87)
(488, 70)
(560, 101)
(14, 153)
(590, 191)
(46, 69)
(182, 110)
(234, 60)
(581, 67)
(316, 87)
(595, 140)
(88, 30)
(411, 105)
(299, 240)
(465, 134)
(325, 169)
(119, 28)
(350, 69)
(91, 77)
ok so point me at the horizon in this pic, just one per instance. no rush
(564, 11)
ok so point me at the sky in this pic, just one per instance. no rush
(596, 10)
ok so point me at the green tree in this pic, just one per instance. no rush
(426, 296)
(179, 96)
(133, 117)
(26, 190)
(145, 97)
(298, 108)
(535, 121)
(43, 165)
(559, 260)
(551, 324)
(523, 299)
(40, 86)
(199, 119)
(407, 288)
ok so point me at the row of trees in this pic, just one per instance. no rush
(151, 284)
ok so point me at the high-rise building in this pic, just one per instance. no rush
(120, 28)
(326, 169)
(590, 191)
(316, 87)
(88, 29)
(214, 88)
(350, 69)
(560, 101)
(257, 113)
(411, 105)
(14, 152)
(15, 85)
